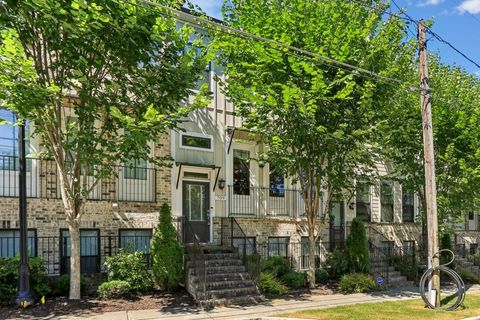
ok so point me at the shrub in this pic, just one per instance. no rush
(61, 286)
(132, 268)
(321, 276)
(294, 280)
(278, 266)
(357, 282)
(446, 243)
(467, 275)
(356, 248)
(337, 264)
(269, 284)
(167, 253)
(114, 289)
(9, 278)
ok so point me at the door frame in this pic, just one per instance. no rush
(208, 214)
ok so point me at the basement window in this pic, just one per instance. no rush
(10, 243)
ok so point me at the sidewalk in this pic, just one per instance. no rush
(269, 308)
(266, 309)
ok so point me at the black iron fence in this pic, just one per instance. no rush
(129, 184)
(256, 201)
(55, 251)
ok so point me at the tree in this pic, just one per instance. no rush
(315, 119)
(356, 248)
(167, 253)
(98, 80)
(456, 122)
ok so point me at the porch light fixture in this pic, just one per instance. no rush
(261, 163)
(221, 184)
(351, 205)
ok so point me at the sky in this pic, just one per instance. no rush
(457, 21)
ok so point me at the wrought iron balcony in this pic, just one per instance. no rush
(136, 184)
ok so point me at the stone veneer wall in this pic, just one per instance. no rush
(263, 228)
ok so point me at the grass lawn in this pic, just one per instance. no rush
(406, 309)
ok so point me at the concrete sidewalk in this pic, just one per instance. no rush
(260, 311)
(269, 308)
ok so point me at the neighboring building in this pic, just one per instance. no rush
(467, 234)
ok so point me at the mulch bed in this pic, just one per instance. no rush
(87, 305)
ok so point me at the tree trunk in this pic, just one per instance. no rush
(74, 261)
(311, 257)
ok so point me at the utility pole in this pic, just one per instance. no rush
(24, 297)
(429, 163)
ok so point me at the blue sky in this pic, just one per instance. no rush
(457, 21)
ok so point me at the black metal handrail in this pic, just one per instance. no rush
(379, 256)
(232, 235)
(197, 258)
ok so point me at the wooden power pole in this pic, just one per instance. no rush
(429, 163)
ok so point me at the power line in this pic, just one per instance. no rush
(439, 38)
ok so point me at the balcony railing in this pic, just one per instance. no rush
(273, 202)
(131, 183)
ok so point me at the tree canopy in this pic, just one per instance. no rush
(98, 80)
(316, 120)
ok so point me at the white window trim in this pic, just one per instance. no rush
(199, 135)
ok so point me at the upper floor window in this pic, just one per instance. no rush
(196, 141)
(408, 207)
(362, 202)
(277, 182)
(386, 199)
(241, 172)
(9, 142)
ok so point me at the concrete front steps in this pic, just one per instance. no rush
(391, 277)
(227, 281)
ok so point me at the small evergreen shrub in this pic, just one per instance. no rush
(357, 282)
(337, 264)
(114, 289)
(321, 276)
(61, 285)
(132, 268)
(278, 266)
(446, 243)
(294, 280)
(356, 248)
(167, 253)
(9, 278)
(268, 283)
